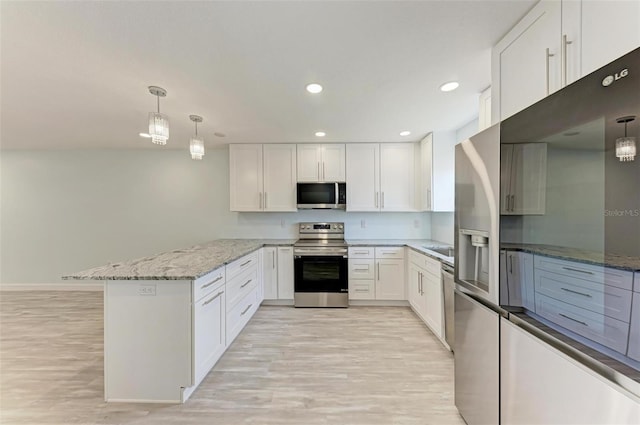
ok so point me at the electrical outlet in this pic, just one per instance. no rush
(363, 224)
(147, 290)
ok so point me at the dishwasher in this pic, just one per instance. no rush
(448, 287)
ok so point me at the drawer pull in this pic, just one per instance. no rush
(574, 320)
(246, 283)
(246, 309)
(214, 297)
(362, 290)
(245, 263)
(576, 292)
(212, 282)
(577, 270)
(361, 269)
(361, 252)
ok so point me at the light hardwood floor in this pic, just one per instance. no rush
(361, 365)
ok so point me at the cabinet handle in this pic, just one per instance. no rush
(319, 178)
(506, 200)
(361, 252)
(572, 319)
(211, 283)
(511, 264)
(513, 203)
(246, 283)
(246, 309)
(245, 263)
(377, 199)
(214, 297)
(419, 283)
(576, 292)
(378, 271)
(565, 72)
(273, 258)
(429, 199)
(549, 55)
(577, 270)
(265, 200)
(361, 269)
(323, 172)
(382, 199)
(362, 290)
(260, 207)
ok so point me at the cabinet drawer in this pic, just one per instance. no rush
(389, 252)
(363, 289)
(603, 299)
(597, 327)
(606, 275)
(239, 315)
(361, 269)
(241, 285)
(208, 283)
(361, 252)
(427, 264)
(241, 264)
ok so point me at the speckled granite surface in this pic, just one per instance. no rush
(579, 255)
(418, 245)
(180, 264)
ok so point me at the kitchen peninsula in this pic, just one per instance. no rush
(168, 318)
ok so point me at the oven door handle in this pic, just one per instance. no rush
(320, 254)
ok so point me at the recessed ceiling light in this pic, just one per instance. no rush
(217, 134)
(405, 133)
(145, 135)
(451, 85)
(320, 134)
(314, 88)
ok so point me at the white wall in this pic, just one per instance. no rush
(64, 211)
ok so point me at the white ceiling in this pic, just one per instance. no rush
(75, 74)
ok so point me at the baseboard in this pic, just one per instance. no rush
(278, 302)
(89, 286)
(378, 303)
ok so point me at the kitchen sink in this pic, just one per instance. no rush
(447, 252)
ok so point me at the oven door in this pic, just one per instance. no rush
(321, 274)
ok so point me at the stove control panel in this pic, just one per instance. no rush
(321, 228)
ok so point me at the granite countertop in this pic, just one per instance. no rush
(418, 245)
(180, 264)
(576, 254)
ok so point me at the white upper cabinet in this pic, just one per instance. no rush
(484, 110)
(397, 177)
(437, 171)
(245, 177)
(279, 163)
(262, 177)
(321, 163)
(556, 43)
(526, 62)
(363, 176)
(381, 177)
(523, 183)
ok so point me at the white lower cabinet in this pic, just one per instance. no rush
(277, 267)
(519, 274)
(285, 273)
(270, 272)
(390, 279)
(209, 328)
(377, 273)
(425, 291)
(634, 331)
(541, 385)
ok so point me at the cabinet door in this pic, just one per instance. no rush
(309, 162)
(610, 29)
(426, 169)
(414, 287)
(363, 177)
(245, 177)
(285, 273)
(519, 269)
(333, 163)
(270, 272)
(432, 288)
(397, 177)
(524, 77)
(390, 280)
(528, 178)
(209, 333)
(279, 177)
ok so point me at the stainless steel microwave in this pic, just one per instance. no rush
(322, 196)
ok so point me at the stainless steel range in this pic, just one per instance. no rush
(320, 263)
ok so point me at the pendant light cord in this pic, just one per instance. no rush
(158, 103)
(196, 128)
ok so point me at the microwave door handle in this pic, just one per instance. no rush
(337, 193)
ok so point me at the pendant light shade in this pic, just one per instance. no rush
(196, 144)
(158, 123)
(626, 146)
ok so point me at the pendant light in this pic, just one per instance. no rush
(196, 145)
(626, 146)
(158, 123)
